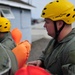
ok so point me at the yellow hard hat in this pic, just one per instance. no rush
(59, 10)
(4, 24)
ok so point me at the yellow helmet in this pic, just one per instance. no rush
(4, 24)
(59, 10)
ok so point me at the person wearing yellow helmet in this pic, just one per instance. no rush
(8, 62)
(59, 56)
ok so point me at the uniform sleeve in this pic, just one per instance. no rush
(42, 57)
(5, 62)
(69, 69)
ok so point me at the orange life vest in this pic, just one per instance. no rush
(16, 35)
(21, 52)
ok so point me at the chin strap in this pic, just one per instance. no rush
(57, 32)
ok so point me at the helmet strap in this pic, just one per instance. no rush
(57, 32)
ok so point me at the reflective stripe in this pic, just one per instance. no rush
(9, 63)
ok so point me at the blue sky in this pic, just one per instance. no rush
(39, 6)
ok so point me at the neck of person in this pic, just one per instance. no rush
(66, 30)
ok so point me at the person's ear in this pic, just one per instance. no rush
(59, 24)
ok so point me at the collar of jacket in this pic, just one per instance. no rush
(69, 36)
